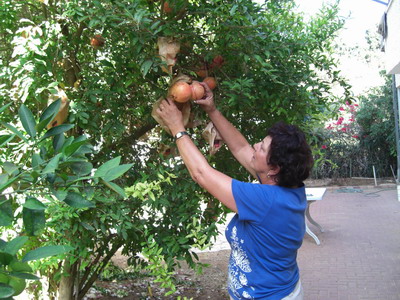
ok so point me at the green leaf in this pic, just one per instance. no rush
(60, 194)
(84, 149)
(43, 124)
(46, 251)
(4, 107)
(36, 160)
(3, 179)
(19, 266)
(82, 168)
(80, 138)
(76, 200)
(71, 149)
(9, 182)
(93, 23)
(52, 165)
(89, 191)
(50, 111)
(102, 170)
(116, 188)
(155, 25)
(33, 203)
(4, 139)
(58, 141)
(2, 244)
(34, 221)
(57, 130)
(43, 152)
(117, 172)
(146, 67)
(48, 115)
(87, 226)
(27, 276)
(6, 291)
(107, 63)
(6, 212)
(151, 195)
(68, 141)
(10, 168)
(15, 130)
(233, 10)
(27, 120)
(5, 258)
(14, 245)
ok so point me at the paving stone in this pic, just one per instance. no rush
(359, 255)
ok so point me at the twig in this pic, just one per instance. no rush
(97, 272)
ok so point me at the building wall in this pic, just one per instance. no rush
(392, 44)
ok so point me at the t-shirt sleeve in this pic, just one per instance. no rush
(253, 201)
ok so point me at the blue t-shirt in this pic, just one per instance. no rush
(264, 236)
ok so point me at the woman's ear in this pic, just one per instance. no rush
(274, 170)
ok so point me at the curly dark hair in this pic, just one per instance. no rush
(289, 150)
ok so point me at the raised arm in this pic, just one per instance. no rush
(215, 182)
(236, 142)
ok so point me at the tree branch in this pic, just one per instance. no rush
(140, 131)
(133, 137)
(97, 272)
(94, 262)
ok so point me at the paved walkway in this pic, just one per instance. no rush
(359, 255)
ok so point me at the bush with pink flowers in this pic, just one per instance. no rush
(362, 137)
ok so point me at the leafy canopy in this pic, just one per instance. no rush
(121, 191)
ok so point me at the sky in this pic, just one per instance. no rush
(362, 15)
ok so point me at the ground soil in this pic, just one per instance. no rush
(211, 284)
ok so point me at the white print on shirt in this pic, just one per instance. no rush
(238, 266)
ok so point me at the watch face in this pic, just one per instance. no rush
(180, 134)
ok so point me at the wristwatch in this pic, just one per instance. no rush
(180, 134)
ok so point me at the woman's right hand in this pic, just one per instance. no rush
(207, 102)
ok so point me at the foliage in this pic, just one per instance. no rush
(363, 136)
(341, 154)
(276, 66)
(42, 171)
(376, 119)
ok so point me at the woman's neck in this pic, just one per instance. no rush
(270, 180)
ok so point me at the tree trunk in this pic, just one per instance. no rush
(88, 282)
(66, 289)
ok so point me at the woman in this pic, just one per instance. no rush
(269, 224)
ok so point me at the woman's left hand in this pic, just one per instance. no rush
(171, 115)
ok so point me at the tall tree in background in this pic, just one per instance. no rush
(362, 135)
(377, 123)
(101, 58)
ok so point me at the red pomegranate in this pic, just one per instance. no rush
(197, 90)
(181, 92)
(97, 41)
(211, 82)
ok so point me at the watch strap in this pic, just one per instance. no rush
(180, 134)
